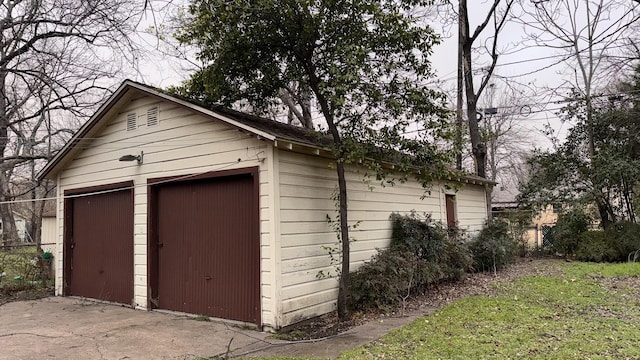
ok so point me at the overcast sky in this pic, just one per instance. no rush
(533, 71)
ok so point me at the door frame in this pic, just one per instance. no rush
(152, 225)
(67, 248)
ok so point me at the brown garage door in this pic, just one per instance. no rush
(100, 244)
(208, 258)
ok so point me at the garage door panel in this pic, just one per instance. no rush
(101, 264)
(209, 254)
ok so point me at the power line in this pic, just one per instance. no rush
(133, 187)
(562, 57)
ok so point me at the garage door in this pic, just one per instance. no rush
(101, 246)
(208, 250)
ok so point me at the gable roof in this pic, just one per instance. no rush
(260, 127)
(282, 135)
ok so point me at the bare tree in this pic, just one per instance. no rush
(497, 15)
(294, 104)
(587, 33)
(297, 100)
(56, 57)
(504, 132)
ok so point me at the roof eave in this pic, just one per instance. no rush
(299, 147)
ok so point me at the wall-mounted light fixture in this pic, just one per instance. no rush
(132, 157)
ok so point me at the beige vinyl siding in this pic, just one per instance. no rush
(306, 185)
(471, 208)
(182, 143)
(58, 254)
(48, 238)
(48, 234)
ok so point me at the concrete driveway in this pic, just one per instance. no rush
(67, 328)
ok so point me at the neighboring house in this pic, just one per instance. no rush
(542, 222)
(165, 204)
(48, 232)
(504, 204)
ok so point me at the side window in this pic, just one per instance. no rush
(450, 204)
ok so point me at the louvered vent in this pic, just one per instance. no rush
(131, 122)
(152, 116)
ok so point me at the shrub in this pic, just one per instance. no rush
(595, 246)
(518, 222)
(421, 254)
(431, 243)
(625, 237)
(568, 231)
(619, 242)
(382, 281)
(423, 237)
(18, 265)
(456, 260)
(493, 248)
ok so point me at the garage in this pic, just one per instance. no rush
(99, 243)
(205, 249)
(229, 211)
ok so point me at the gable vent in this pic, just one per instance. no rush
(152, 116)
(131, 122)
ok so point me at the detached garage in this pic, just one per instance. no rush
(164, 204)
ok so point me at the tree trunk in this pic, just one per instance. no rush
(343, 292)
(343, 289)
(460, 85)
(477, 147)
(605, 220)
(9, 232)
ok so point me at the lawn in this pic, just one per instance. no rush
(19, 275)
(574, 311)
(17, 263)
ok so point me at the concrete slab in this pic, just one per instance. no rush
(66, 328)
(330, 348)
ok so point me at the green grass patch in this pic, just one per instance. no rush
(289, 336)
(571, 315)
(582, 269)
(18, 264)
(201, 318)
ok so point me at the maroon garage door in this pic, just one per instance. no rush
(99, 240)
(208, 251)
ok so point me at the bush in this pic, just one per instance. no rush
(493, 248)
(619, 242)
(518, 222)
(595, 246)
(18, 265)
(381, 281)
(423, 237)
(625, 237)
(568, 231)
(421, 255)
(456, 260)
